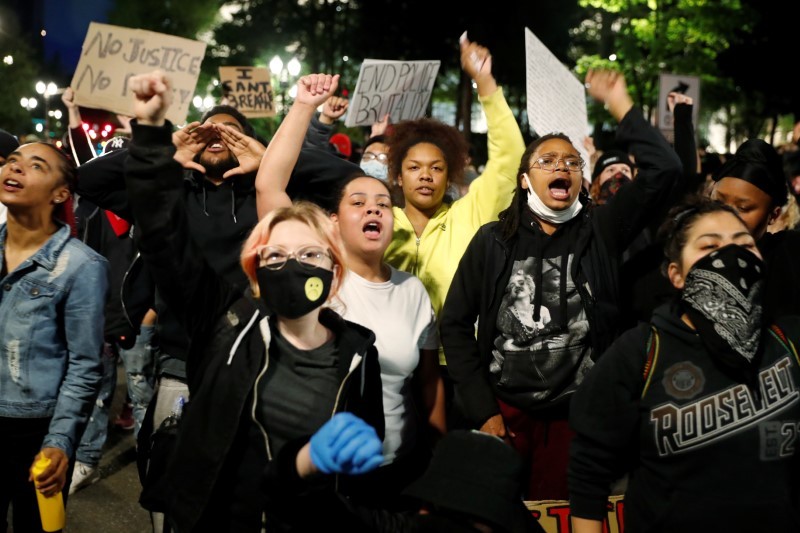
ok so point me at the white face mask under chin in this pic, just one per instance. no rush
(550, 215)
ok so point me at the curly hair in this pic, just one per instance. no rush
(448, 139)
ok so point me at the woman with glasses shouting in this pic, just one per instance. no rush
(266, 368)
(572, 252)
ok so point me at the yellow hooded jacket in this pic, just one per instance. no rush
(434, 256)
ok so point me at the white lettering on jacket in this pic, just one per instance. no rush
(677, 429)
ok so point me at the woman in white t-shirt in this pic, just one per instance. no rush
(394, 304)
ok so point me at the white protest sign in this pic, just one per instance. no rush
(556, 99)
(112, 54)
(667, 83)
(400, 88)
(248, 89)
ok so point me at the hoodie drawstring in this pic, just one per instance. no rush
(563, 288)
(233, 202)
(537, 301)
(233, 205)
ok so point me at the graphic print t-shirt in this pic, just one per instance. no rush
(536, 362)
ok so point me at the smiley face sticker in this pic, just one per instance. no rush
(313, 289)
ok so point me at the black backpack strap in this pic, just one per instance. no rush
(653, 346)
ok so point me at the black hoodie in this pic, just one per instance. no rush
(582, 293)
(703, 451)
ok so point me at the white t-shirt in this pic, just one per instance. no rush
(400, 313)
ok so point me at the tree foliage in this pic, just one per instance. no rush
(19, 79)
(182, 19)
(650, 37)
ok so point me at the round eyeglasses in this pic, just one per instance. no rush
(550, 164)
(310, 257)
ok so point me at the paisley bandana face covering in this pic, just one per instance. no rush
(722, 297)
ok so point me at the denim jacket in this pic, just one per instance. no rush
(51, 336)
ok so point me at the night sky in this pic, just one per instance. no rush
(66, 22)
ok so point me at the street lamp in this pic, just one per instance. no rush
(46, 90)
(284, 75)
(28, 103)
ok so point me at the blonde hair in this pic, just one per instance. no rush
(789, 217)
(310, 215)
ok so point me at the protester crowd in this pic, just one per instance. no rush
(383, 338)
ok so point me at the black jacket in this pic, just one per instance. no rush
(96, 231)
(599, 237)
(645, 287)
(229, 333)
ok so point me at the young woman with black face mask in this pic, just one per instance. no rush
(393, 304)
(265, 367)
(700, 407)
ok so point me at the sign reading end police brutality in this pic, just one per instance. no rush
(400, 89)
(112, 54)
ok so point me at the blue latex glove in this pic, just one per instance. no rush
(345, 444)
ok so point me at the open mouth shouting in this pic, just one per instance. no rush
(10, 184)
(559, 189)
(216, 146)
(372, 229)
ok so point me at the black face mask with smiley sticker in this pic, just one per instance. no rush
(295, 289)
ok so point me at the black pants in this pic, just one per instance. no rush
(20, 441)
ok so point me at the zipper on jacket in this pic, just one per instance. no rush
(415, 270)
(357, 360)
(267, 336)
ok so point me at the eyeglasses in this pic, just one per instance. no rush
(310, 257)
(549, 164)
(370, 156)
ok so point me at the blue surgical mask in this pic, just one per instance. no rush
(376, 169)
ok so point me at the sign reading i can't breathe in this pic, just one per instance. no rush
(401, 89)
(112, 54)
(248, 89)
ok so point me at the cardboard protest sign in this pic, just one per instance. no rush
(556, 98)
(248, 89)
(400, 88)
(112, 54)
(667, 83)
(554, 515)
